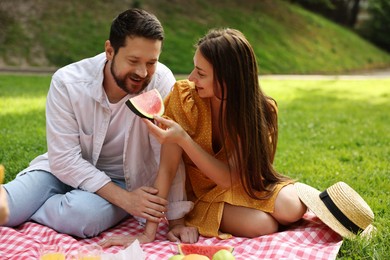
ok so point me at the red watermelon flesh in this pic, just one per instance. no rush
(207, 250)
(147, 104)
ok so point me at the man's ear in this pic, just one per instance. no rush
(109, 50)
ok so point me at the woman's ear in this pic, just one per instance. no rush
(109, 50)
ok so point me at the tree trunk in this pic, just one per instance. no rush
(354, 13)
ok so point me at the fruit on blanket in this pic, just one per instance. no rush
(53, 256)
(195, 257)
(223, 254)
(206, 250)
(176, 257)
(147, 104)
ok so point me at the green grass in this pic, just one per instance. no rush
(286, 38)
(338, 130)
(330, 130)
(22, 120)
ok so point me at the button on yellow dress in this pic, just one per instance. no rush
(184, 106)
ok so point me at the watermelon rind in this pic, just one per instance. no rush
(207, 250)
(132, 104)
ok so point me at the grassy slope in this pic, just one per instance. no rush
(286, 38)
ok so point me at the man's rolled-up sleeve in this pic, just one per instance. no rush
(178, 205)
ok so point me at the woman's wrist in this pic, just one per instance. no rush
(184, 139)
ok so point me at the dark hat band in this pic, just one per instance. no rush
(336, 212)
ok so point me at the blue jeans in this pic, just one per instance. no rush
(39, 196)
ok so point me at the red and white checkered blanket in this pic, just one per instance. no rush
(310, 239)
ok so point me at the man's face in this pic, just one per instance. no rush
(134, 64)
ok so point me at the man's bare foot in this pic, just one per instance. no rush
(4, 211)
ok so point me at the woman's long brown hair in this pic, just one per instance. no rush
(249, 120)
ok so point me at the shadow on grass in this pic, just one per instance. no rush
(12, 86)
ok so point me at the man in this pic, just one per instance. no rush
(101, 160)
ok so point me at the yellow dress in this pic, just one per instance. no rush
(184, 106)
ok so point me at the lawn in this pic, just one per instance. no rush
(329, 131)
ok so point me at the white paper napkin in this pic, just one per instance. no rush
(134, 251)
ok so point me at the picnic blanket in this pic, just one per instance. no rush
(308, 239)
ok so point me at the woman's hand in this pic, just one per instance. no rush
(166, 131)
(125, 241)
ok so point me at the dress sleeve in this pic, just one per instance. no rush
(180, 105)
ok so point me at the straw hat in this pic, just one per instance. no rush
(340, 207)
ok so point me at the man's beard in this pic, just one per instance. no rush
(121, 82)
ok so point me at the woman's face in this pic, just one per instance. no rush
(202, 75)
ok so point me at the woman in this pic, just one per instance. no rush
(226, 130)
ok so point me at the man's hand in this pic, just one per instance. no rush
(180, 233)
(142, 202)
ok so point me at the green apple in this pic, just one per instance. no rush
(176, 257)
(223, 254)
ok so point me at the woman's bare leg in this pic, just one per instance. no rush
(247, 222)
(288, 207)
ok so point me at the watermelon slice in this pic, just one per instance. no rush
(147, 104)
(207, 250)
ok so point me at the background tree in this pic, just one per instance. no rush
(344, 12)
(377, 28)
(374, 26)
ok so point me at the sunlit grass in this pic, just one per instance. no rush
(338, 130)
(329, 131)
(22, 120)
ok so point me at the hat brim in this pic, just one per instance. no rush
(310, 197)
